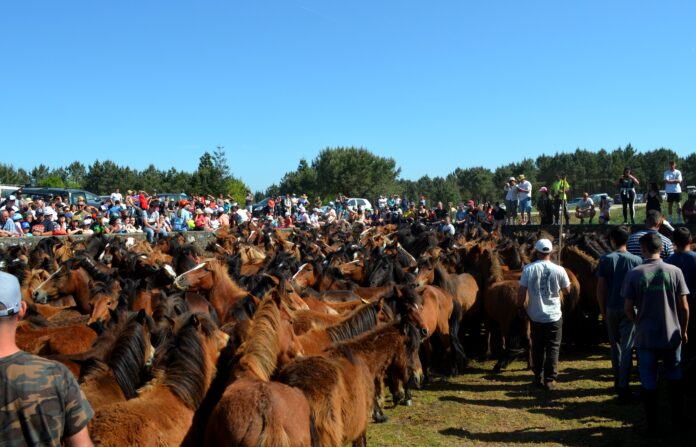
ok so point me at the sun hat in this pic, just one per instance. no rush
(543, 246)
(512, 179)
(199, 211)
(543, 189)
(10, 294)
(12, 197)
(521, 177)
(87, 221)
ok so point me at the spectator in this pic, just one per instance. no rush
(150, 220)
(224, 218)
(74, 226)
(61, 226)
(41, 400)
(540, 290)
(499, 215)
(41, 226)
(87, 227)
(446, 227)
(658, 291)
(545, 206)
(201, 220)
(330, 216)
(611, 271)
(461, 218)
(422, 201)
(585, 208)
(604, 210)
(249, 201)
(10, 204)
(559, 194)
(130, 225)
(627, 187)
(26, 228)
(689, 209)
(653, 221)
(653, 199)
(511, 200)
(685, 259)
(7, 225)
(116, 196)
(440, 212)
(524, 197)
(673, 179)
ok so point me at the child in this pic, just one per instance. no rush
(604, 214)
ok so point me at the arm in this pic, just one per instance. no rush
(602, 296)
(79, 439)
(683, 311)
(628, 309)
(635, 180)
(522, 297)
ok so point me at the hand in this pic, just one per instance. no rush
(685, 338)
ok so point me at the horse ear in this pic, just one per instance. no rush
(142, 316)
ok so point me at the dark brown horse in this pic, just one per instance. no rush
(162, 412)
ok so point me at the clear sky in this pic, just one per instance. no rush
(434, 84)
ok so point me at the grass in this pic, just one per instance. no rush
(482, 409)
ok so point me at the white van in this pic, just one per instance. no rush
(364, 204)
(6, 190)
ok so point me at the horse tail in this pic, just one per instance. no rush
(313, 432)
(273, 433)
(454, 319)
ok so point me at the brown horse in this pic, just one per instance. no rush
(340, 384)
(103, 300)
(72, 337)
(161, 414)
(254, 411)
(212, 279)
(121, 371)
(63, 282)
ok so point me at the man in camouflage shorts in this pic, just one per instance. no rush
(40, 400)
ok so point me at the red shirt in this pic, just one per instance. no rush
(143, 201)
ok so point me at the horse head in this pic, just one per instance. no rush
(199, 277)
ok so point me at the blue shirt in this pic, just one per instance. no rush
(613, 267)
(686, 261)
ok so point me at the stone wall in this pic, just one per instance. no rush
(200, 238)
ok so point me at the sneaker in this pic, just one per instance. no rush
(538, 383)
(551, 385)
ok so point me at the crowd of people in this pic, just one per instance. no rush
(138, 211)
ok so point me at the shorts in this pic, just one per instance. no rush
(526, 205)
(673, 197)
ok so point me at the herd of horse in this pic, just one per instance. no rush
(278, 338)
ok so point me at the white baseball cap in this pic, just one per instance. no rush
(10, 295)
(544, 246)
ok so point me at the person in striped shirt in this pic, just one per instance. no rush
(653, 221)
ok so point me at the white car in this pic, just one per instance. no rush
(364, 204)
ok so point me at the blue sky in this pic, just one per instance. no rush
(435, 85)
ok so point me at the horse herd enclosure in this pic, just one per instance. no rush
(387, 336)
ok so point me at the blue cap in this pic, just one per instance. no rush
(10, 295)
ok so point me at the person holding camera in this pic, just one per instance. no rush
(627, 186)
(511, 201)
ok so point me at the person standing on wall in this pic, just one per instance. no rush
(627, 187)
(673, 179)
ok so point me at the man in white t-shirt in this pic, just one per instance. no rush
(673, 179)
(511, 201)
(524, 197)
(585, 208)
(540, 290)
(116, 195)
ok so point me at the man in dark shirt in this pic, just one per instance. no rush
(611, 271)
(659, 293)
(40, 401)
(685, 259)
(42, 226)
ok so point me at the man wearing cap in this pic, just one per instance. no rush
(10, 204)
(540, 290)
(511, 200)
(655, 298)
(41, 402)
(524, 197)
(41, 226)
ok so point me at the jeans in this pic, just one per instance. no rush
(557, 211)
(647, 365)
(627, 200)
(621, 332)
(150, 234)
(546, 345)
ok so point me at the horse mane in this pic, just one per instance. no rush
(361, 320)
(441, 279)
(259, 352)
(88, 264)
(99, 288)
(19, 269)
(496, 269)
(573, 250)
(128, 355)
(182, 357)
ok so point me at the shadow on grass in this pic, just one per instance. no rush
(594, 436)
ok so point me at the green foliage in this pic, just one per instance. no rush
(51, 181)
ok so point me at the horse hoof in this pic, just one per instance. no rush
(408, 403)
(380, 419)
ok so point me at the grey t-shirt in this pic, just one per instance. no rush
(655, 287)
(613, 268)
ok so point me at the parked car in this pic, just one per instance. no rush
(70, 195)
(354, 202)
(640, 198)
(572, 204)
(7, 190)
(257, 209)
(173, 196)
(596, 198)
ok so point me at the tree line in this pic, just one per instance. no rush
(213, 176)
(357, 172)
